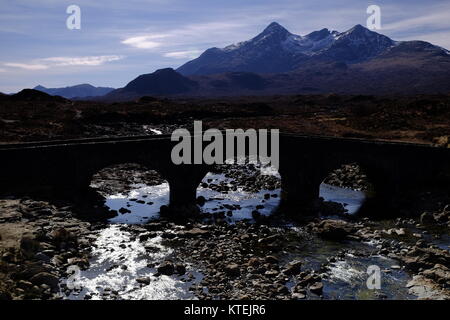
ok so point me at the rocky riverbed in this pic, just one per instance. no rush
(39, 241)
(237, 249)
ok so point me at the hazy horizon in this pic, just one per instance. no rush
(121, 40)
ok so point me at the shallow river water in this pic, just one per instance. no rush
(119, 258)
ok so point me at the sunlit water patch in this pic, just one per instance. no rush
(351, 199)
(347, 279)
(143, 202)
(149, 129)
(346, 276)
(119, 260)
(247, 201)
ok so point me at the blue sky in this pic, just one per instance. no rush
(119, 40)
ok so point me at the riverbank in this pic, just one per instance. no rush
(34, 116)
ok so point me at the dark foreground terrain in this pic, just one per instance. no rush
(214, 256)
(32, 116)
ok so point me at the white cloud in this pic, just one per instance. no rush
(26, 66)
(435, 20)
(46, 63)
(81, 61)
(144, 42)
(190, 54)
(188, 34)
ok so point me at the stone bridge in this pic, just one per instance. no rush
(65, 168)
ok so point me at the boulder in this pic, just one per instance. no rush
(293, 268)
(180, 269)
(167, 268)
(426, 218)
(439, 273)
(83, 263)
(29, 246)
(201, 201)
(334, 229)
(60, 235)
(425, 258)
(45, 278)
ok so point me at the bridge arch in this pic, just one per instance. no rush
(302, 176)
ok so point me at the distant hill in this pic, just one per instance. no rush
(78, 91)
(160, 83)
(31, 95)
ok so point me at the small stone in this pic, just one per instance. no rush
(43, 257)
(124, 210)
(256, 214)
(180, 269)
(272, 260)
(316, 288)
(232, 269)
(201, 201)
(193, 233)
(298, 296)
(143, 280)
(400, 232)
(145, 236)
(254, 262)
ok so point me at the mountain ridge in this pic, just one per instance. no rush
(277, 50)
(357, 61)
(76, 91)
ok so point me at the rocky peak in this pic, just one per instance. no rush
(318, 35)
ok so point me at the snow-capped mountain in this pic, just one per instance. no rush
(273, 50)
(277, 50)
(356, 45)
(276, 36)
(358, 61)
